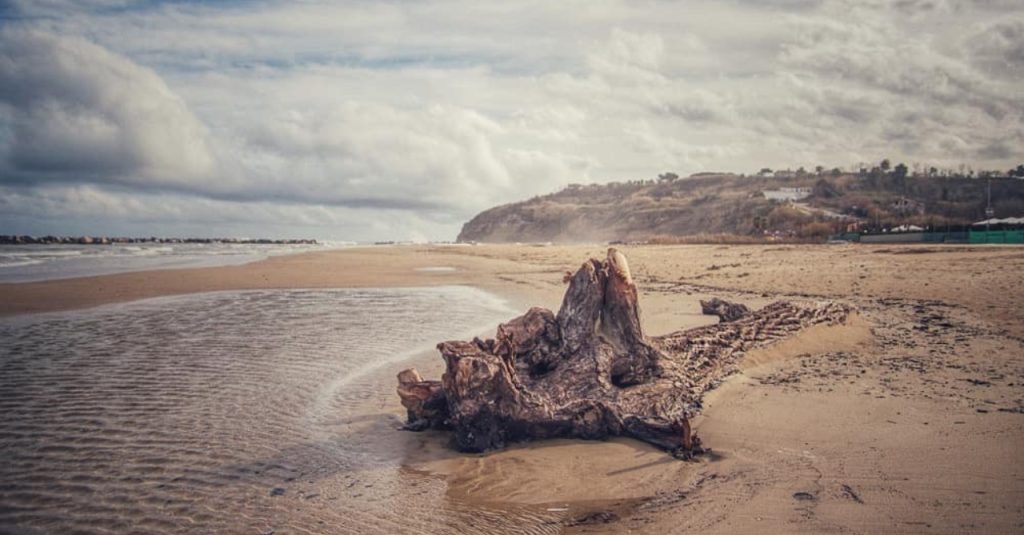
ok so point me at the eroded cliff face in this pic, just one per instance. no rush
(629, 211)
(731, 204)
(588, 371)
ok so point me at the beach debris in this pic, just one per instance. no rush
(725, 310)
(803, 496)
(589, 371)
(594, 517)
(851, 494)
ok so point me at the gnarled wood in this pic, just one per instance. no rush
(424, 401)
(589, 372)
(725, 310)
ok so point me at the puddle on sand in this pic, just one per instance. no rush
(436, 269)
(232, 412)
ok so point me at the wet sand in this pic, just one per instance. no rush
(909, 419)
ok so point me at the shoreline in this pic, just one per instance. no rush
(859, 428)
(337, 268)
(530, 275)
(24, 263)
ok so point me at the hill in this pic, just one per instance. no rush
(793, 206)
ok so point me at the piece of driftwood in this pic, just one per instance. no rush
(725, 310)
(589, 372)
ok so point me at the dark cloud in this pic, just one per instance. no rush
(76, 110)
(998, 49)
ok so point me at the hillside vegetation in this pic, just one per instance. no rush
(734, 207)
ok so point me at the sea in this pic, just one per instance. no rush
(35, 262)
(256, 412)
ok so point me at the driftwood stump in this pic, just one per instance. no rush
(589, 372)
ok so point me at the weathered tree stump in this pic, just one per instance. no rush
(589, 372)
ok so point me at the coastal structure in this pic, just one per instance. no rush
(907, 206)
(103, 240)
(787, 194)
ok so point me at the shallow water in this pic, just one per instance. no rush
(235, 412)
(26, 263)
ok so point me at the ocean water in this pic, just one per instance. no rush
(232, 412)
(26, 263)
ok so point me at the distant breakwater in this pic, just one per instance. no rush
(103, 240)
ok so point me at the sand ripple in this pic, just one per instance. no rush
(237, 412)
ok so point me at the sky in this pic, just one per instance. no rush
(400, 120)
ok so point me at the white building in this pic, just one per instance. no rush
(787, 194)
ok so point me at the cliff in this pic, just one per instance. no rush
(737, 205)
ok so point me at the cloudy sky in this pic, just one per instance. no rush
(368, 120)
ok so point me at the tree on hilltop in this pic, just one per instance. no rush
(900, 171)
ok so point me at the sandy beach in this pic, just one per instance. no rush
(907, 419)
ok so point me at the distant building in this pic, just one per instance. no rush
(787, 194)
(711, 173)
(907, 206)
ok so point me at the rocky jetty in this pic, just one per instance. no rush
(589, 371)
(103, 240)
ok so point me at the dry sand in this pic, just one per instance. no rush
(910, 418)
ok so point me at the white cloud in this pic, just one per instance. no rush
(100, 211)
